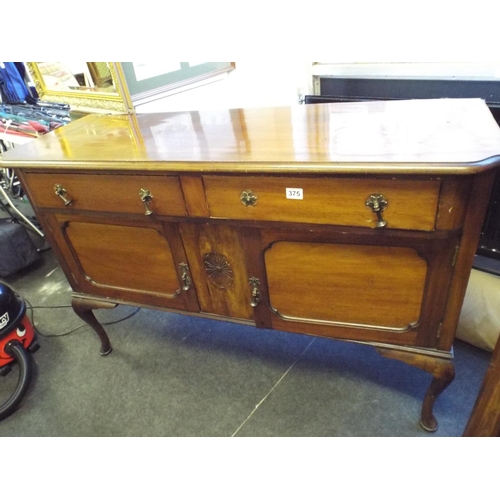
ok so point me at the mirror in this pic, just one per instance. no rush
(85, 86)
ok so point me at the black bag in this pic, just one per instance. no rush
(17, 251)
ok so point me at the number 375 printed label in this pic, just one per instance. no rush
(294, 194)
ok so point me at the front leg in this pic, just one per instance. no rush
(443, 373)
(83, 308)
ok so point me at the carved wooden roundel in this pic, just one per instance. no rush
(218, 269)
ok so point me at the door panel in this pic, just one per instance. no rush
(346, 285)
(122, 260)
(123, 257)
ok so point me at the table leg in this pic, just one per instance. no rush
(83, 308)
(443, 373)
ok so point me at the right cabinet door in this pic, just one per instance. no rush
(351, 287)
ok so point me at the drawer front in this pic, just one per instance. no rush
(409, 204)
(107, 193)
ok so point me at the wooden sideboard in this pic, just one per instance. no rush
(355, 221)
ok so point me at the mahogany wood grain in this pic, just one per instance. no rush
(83, 309)
(369, 286)
(131, 253)
(439, 135)
(194, 194)
(224, 299)
(453, 199)
(412, 204)
(435, 249)
(440, 257)
(442, 371)
(476, 211)
(116, 259)
(251, 239)
(112, 193)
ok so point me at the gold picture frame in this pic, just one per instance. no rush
(86, 99)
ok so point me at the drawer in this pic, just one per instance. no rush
(409, 204)
(107, 193)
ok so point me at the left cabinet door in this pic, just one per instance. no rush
(124, 260)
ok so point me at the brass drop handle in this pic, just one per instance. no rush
(248, 198)
(61, 192)
(146, 197)
(186, 280)
(254, 282)
(377, 203)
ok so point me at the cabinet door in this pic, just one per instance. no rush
(346, 284)
(384, 290)
(143, 264)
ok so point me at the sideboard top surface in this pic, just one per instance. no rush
(442, 136)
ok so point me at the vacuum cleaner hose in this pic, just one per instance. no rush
(15, 349)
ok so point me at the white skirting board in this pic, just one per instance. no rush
(479, 322)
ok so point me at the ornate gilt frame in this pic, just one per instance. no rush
(118, 101)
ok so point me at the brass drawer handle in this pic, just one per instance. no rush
(377, 203)
(61, 192)
(186, 280)
(254, 282)
(248, 198)
(146, 197)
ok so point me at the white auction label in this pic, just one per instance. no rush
(294, 194)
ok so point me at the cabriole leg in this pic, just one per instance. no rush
(83, 308)
(446, 374)
(443, 373)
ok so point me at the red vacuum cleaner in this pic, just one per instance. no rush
(17, 342)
